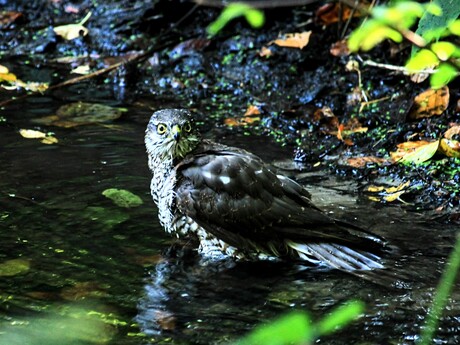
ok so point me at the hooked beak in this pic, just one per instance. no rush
(175, 132)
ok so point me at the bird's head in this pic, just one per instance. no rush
(171, 134)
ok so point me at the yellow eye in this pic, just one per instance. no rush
(187, 127)
(161, 128)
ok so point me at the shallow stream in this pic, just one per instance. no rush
(78, 269)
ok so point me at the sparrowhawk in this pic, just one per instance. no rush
(236, 205)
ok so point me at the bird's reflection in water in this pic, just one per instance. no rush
(194, 298)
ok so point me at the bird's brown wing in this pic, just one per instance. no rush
(235, 196)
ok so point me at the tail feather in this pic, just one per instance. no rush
(337, 256)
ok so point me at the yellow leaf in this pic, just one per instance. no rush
(84, 69)
(49, 140)
(3, 70)
(451, 148)
(388, 194)
(421, 154)
(293, 40)
(5, 74)
(32, 134)
(72, 31)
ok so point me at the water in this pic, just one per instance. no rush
(85, 271)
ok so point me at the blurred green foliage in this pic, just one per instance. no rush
(298, 328)
(436, 20)
(253, 16)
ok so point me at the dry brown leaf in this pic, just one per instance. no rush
(265, 52)
(340, 48)
(250, 116)
(405, 148)
(421, 76)
(166, 320)
(293, 40)
(334, 12)
(361, 162)
(8, 17)
(430, 102)
(252, 110)
(345, 130)
(454, 130)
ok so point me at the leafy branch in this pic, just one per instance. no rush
(394, 22)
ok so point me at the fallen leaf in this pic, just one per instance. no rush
(80, 113)
(5, 75)
(429, 103)
(29, 85)
(83, 69)
(388, 194)
(454, 130)
(451, 148)
(421, 76)
(166, 320)
(49, 140)
(250, 116)
(335, 12)
(8, 17)
(33, 134)
(14, 267)
(265, 52)
(122, 197)
(293, 40)
(361, 162)
(82, 290)
(415, 152)
(252, 110)
(72, 31)
(340, 48)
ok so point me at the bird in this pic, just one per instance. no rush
(234, 205)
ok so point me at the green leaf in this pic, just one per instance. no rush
(123, 197)
(254, 17)
(370, 34)
(340, 317)
(107, 217)
(444, 50)
(432, 25)
(444, 74)
(294, 328)
(454, 27)
(421, 154)
(422, 59)
(14, 267)
(403, 15)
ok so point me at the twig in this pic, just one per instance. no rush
(401, 69)
(78, 79)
